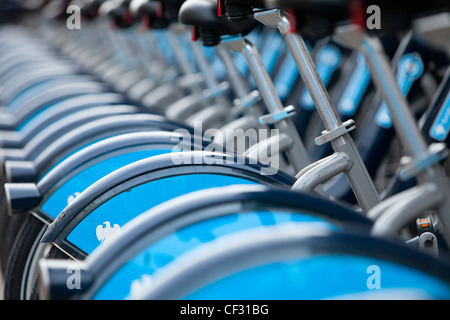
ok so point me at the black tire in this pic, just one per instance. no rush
(14, 222)
(18, 262)
(4, 219)
(53, 253)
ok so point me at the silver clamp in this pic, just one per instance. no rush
(277, 116)
(328, 136)
(219, 90)
(241, 105)
(192, 80)
(411, 168)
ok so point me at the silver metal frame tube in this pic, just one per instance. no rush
(358, 177)
(318, 174)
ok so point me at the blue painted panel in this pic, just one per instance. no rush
(326, 277)
(130, 277)
(82, 180)
(127, 205)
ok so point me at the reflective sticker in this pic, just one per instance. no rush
(409, 70)
(355, 89)
(328, 59)
(441, 125)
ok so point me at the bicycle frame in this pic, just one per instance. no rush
(336, 131)
(423, 160)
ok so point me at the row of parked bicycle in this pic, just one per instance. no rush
(203, 149)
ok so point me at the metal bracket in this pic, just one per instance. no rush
(434, 28)
(277, 116)
(350, 35)
(235, 43)
(411, 168)
(328, 136)
(271, 18)
(428, 243)
(241, 105)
